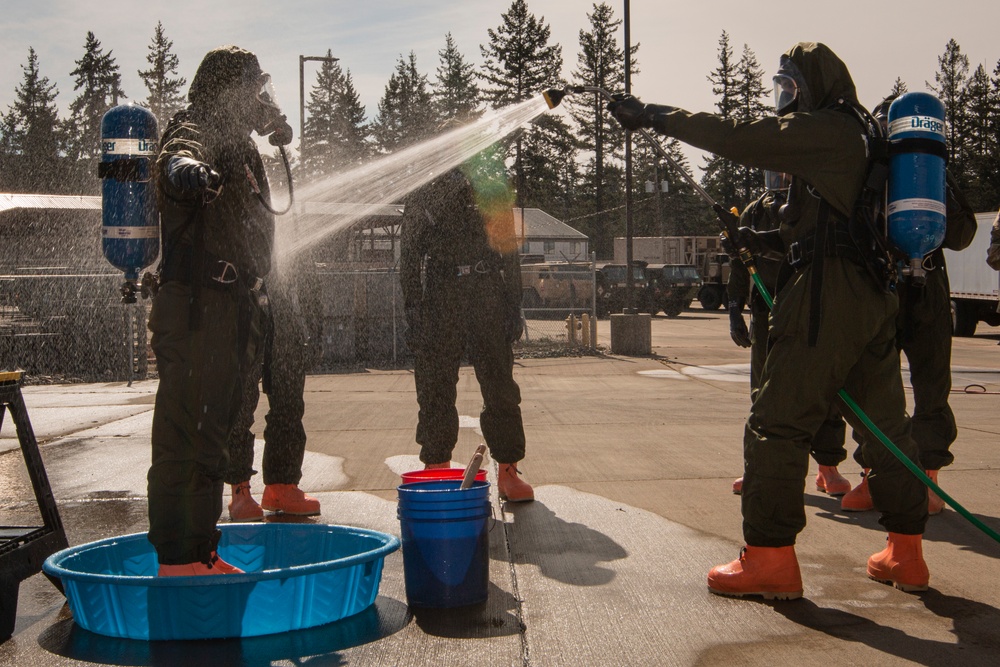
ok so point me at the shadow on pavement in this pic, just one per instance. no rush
(974, 626)
(562, 550)
(384, 618)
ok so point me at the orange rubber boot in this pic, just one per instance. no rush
(289, 499)
(771, 572)
(215, 565)
(830, 480)
(511, 487)
(934, 502)
(243, 507)
(901, 563)
(858, 499)
(738, 486)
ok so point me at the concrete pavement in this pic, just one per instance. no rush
(632, 461)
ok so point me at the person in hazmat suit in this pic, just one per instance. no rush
(827, 445)
(923, 333)
(832, 325)
(217, 237)
(461, 284)
(280, 371)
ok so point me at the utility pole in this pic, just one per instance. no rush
(629, 278)
(302, 93)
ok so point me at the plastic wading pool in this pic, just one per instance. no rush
(297, 576)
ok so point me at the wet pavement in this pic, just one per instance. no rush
(632, 461)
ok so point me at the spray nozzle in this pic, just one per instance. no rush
(553, 96)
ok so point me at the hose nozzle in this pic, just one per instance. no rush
(553, 96)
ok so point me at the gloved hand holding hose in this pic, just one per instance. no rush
(191, 175)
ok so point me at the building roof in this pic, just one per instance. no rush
(11, 201)
(541, 225)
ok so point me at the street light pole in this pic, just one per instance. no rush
(629, 278)
(302, 92)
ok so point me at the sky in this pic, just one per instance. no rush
(678, 41)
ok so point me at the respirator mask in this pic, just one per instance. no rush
(271, 122)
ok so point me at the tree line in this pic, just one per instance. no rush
(571, 165)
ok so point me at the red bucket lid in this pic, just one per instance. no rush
(438, 474)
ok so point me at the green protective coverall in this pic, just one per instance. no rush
(282, 364)
(923, 334)
(200, 362)
(824, 149)
(461, 286)
(827, 444)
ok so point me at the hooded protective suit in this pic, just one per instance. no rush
(461, 286)
(205, 320)
(824, 149)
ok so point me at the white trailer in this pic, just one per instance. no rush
(975, 287)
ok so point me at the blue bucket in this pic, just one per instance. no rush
(446, 545)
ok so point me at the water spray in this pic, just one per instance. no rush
(730, 222)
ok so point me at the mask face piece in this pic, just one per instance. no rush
(271, 122)
(790, 90)
(786, 94)
(777, 181)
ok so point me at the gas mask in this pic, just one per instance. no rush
(776, 181)
(271, 122)
(790, 90)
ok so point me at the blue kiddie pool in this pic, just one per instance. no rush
(297, 576)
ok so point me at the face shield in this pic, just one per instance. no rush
(786, 93)
(777, 181)
(271, 122)
(790, 91)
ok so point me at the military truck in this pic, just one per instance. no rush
(705, 253)
(612, 288)
(671, 288)
(557, 285)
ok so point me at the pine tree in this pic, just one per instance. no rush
(405, 113)
(99, 83)
(601, 64)
(519, 63)
(722, 177)
(456, 94)
(335, 132)
(750, 105)
(165, 88)
(950, 88)
(29, 134)
(898, 88)
(980, 141)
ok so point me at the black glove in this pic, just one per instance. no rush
(515, 325)
(630, 112)
(737, 325)
(188, 174)
(414, 328)
(763, 244)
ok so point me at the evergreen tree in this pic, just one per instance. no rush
(335, 135)
(898, 88)
(980, 142)
(165, 88)
(600, 63)
(455, 92)
(519, 63)
(750, 96)
(950, 88)
(405, 113)
(722, 177)
(29, 135)
(99, 83)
